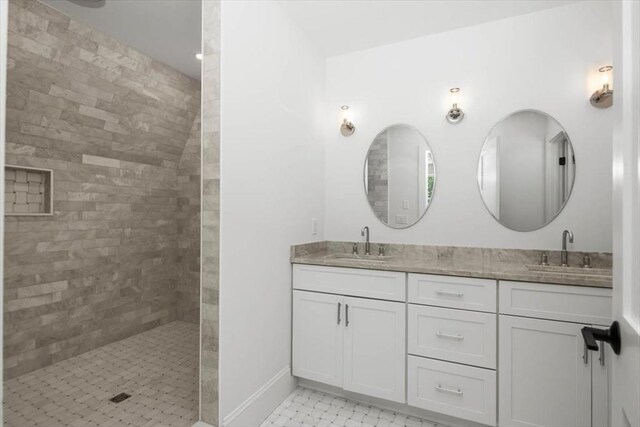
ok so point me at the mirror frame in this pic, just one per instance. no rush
(532, 110)
(435, 179)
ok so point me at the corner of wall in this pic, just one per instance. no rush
(210, 215)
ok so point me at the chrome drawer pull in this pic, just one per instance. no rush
(601, 355)
(452, 336)
(457, 391)
(585, 356)
(450, 293)
(346, 309)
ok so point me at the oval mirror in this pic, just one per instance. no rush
(526, 170)
(399, 176)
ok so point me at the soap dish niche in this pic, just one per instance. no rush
(28, 191)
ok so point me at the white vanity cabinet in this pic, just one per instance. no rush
(351, 342)
(318, 337)
(545, 376)
(374, 348)
(452, 346)
(496, 353)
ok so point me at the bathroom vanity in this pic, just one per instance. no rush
(482, 335)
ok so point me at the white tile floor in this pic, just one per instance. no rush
(308, 408)
(158, 368)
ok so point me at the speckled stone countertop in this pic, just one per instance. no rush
(499, 264)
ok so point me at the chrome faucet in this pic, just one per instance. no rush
(367, 246)
(563, 254)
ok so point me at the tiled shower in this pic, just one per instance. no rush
(103, 194)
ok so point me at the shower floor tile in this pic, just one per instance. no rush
(308, 408)
(158, 368)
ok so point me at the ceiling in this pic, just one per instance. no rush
(169, 31)
(342, 26)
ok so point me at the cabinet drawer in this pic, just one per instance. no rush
(386, 285)
(454, 335)
(452, 389)
(455, 292)
(556, 302)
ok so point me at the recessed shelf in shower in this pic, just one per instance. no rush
(28, 191)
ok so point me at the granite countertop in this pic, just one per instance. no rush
(499, 264)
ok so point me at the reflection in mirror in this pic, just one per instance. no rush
(399, 176)
(526, 170)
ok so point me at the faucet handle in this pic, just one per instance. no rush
(586, 261)
(380, 250)
(354, 250)
(544, 259)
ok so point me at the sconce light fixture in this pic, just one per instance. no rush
(603, 98)
(347, 128)
(455, 114)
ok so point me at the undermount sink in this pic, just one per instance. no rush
(577, 271)
(360, 257)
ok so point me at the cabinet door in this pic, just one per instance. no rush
(318, 337)
(374, 353)
(601, 390)
(543, 377)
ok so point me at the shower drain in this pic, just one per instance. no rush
(120, 397)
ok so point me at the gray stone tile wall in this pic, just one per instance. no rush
(209, 326)
(189, 183)
(378, 177)
(26, 191)
(112, 123)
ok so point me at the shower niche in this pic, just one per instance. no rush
(28, 191)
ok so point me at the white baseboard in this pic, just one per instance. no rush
(201, 424)
(254, 410)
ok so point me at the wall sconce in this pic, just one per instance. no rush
(455, 114)
(603, 98)
(347, 128)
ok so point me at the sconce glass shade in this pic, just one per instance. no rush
(603, 98)
(455, 114)
(347, 128)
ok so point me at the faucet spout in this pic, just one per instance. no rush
(367, 246)
(564, 254)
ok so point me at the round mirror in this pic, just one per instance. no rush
(526, 170)
(399, 176)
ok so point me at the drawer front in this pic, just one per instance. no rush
(385, 285)
(454, 292)
(454, 335)
(556, 302)
(452, 389)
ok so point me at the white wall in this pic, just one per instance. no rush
(521, 147)
(546, 61)
(271, 187)
(406, 173)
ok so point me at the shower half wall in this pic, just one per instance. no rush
(117, 256)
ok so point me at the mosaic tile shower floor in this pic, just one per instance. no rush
(309, 408)
(158, 368)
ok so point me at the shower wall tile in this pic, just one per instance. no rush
(112, 124)
(188, 285)
(209, 326)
